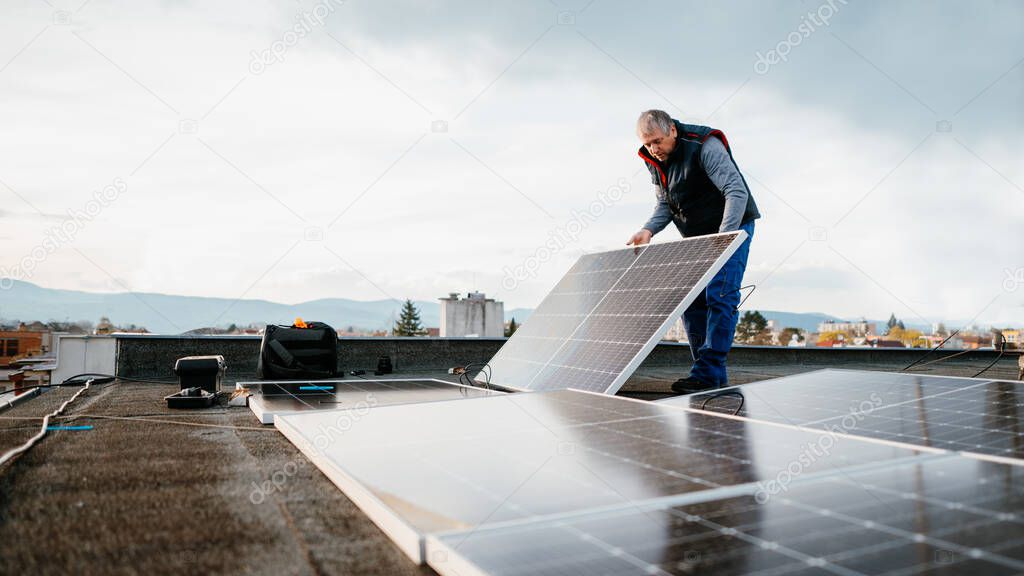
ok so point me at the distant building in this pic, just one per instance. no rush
(861, 328)
(885, 343)
(16, 344)
(933, 340)
(474, 315)
(677, 332)
(975, 341)
(1013, 338)
(775, 331)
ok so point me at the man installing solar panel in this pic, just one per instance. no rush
(700, 189)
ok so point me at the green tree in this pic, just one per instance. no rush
(909, 338)
(752, 328)
(892, 323)
(787, 334)
(408, 323)
(511, 328)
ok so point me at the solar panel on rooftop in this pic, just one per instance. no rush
(959, 414)
(512, 457)
(607, 313)
(934, 515)
(354, 393)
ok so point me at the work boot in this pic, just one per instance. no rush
(689, 385)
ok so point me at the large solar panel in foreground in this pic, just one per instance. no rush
(607, 313)
(946, 515)
(970, 415)
(419, 469)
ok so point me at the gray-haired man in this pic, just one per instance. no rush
(700, 189)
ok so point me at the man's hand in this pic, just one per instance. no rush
(640, 238)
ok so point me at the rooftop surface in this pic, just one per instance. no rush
(149, 489)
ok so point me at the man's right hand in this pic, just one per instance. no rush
(640, 238)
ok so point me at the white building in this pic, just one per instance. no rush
(862, 328)
(474, 315)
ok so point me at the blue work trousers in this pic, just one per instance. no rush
(711, 320)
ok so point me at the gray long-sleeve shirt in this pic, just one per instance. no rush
(724, 175)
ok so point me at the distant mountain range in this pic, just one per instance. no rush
(170, 314)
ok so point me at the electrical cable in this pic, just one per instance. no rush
(723, 394)
(464, 376)
(721, 294)
(23, 389)
(485, 368)
(111, 377)
(1002, 348)
(42, 431)
(944, 358)
(749, 294)
(929, 353)
(79, 380)
(164, 421)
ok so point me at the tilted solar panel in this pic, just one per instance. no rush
(607, 313)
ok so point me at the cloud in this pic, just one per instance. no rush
(229, 192)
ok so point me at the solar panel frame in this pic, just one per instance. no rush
(384, 392)
(629, 355)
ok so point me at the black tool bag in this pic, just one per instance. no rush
(290, 353)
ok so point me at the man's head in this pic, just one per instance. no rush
(657, 131)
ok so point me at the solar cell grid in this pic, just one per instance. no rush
(939, 515)
(824, 394)
(510, 457)
(604, 316)
(957, 414)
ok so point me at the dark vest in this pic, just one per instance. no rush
(697, 204)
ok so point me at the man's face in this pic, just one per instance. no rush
(659, 144)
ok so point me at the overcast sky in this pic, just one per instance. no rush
(301, 150)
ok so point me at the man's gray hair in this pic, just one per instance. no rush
(652, 120)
